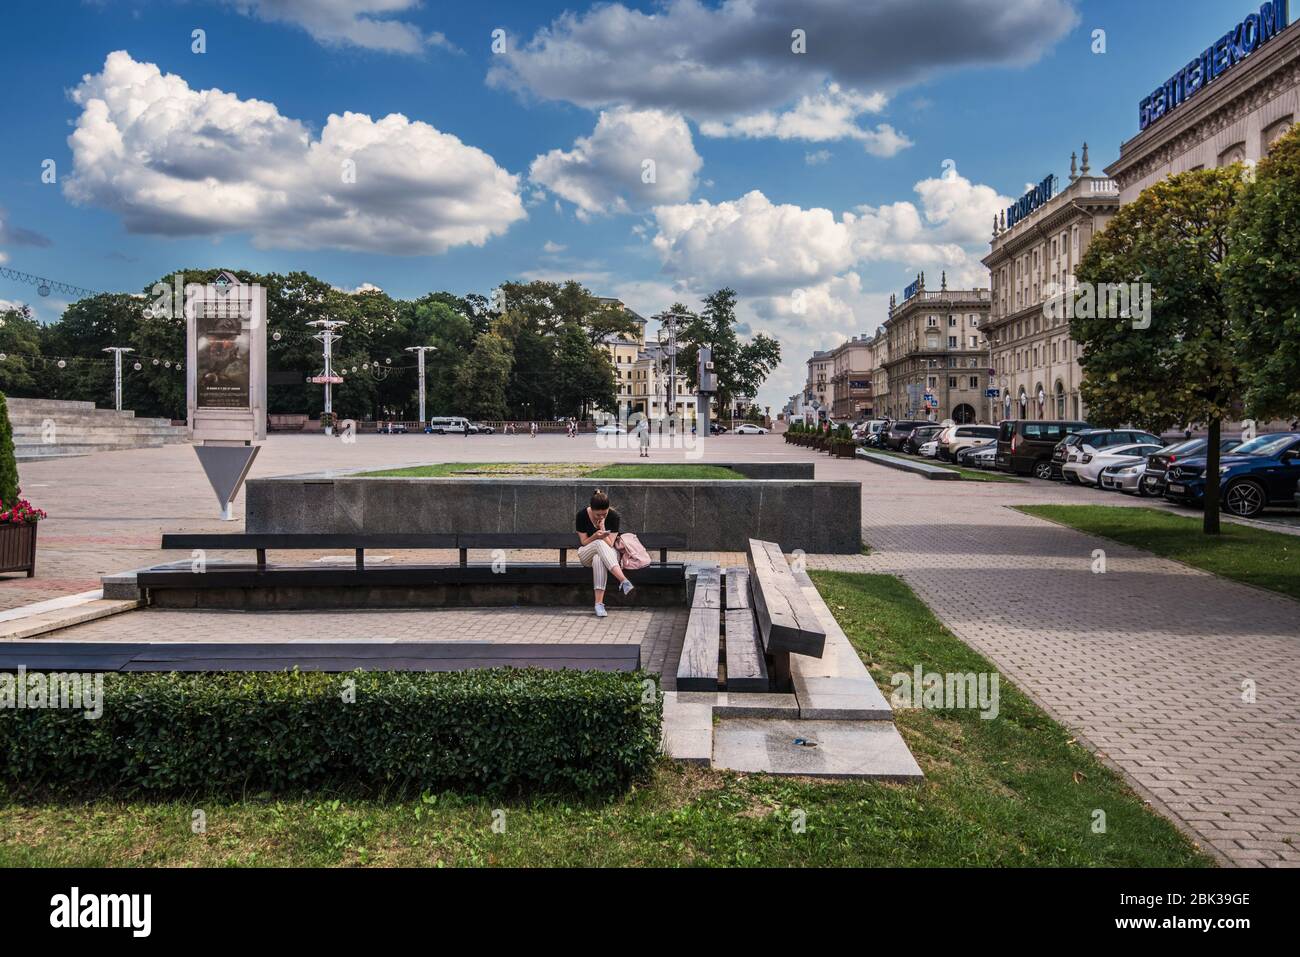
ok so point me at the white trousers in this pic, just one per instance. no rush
(599, 557)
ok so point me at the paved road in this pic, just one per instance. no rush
(1145, 662)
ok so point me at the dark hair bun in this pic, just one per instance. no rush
(599, 499)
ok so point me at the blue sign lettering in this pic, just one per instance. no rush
(911, 290)
(1226, 52)
(1026, 204)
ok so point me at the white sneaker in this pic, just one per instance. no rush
(626, 587)
(600, 611)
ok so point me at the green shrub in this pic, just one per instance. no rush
(484, 732)
(8, 463)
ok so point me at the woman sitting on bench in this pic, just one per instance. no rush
(597, 527)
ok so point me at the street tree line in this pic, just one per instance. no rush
(1220, 251)
(529, 351)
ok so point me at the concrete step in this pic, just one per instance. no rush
(36, 433)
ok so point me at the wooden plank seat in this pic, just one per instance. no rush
(330, 656)
(746, 662)
(697, 669)
(399, 574)
(786, 622)
(563, 542)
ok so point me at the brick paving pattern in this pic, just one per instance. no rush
(1145, 662)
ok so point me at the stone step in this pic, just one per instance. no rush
(36, 433)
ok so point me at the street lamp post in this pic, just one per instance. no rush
(420, 351)
(669, 320)
(117, 369)
(327, 337)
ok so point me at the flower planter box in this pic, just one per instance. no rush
(18, 548)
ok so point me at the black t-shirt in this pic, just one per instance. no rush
(583, 522)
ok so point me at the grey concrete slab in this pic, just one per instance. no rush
(840, 699)
(687, 729)
(924, 469)
(749, 705)
(829, 749)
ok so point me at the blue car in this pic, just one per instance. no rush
(1253, 476)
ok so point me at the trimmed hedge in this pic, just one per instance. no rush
(489, 731)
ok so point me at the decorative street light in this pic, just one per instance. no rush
(420, 351)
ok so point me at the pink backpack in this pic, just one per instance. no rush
(632, 554)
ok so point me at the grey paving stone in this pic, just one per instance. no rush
(839, 749)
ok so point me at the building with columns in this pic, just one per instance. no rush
(935, 359)
(641, 375)
(817, 387)
(1035, 251)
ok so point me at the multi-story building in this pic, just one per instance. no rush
(817, 387)
(1036, 248)
(936, 361)
(1230, 104)
(851, 365)
(641, 374)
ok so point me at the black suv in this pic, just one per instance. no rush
(1153, 479)
(1072, 447)
(1025, 445)
(899, 431)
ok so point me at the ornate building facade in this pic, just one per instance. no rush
(1035, 362)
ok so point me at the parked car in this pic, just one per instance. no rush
(869, 430)
(1025, 446)
(980, 457)
(1153, 479)
(1262, 472)
(919, 436)
(1074, 447)
(1123, 477)
(611, 430)
(717, 428)
(478, 428)
(958, 437)
(444, 424)
(928, 449)
(390, 428)
(899, 431)
(1086, 464)
(749, 428)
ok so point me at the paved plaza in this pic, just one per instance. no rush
(1145, 663)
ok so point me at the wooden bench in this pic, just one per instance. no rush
(697, 669)
(333, 656)
(746, 662)
(187, 584)
(786, 622)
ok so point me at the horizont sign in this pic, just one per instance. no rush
(1026, 204)
(1224, 54)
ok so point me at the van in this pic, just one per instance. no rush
(1025, 446)
(441, 425)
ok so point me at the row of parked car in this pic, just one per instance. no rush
(1254, 474)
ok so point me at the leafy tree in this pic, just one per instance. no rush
(1263, 283)
(485, 376)
(1175, 236)
(20, 343)
(584, 376)
(741, 367)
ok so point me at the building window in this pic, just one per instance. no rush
(952, 342)
(1233, 154)
(952, 382)
(974, 382)
(1275, 132)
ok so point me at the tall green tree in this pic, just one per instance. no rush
(1183, 368)
(20, 344)
(741, 367)
(484, 377)
(1263, 283)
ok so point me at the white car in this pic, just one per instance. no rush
(928, 449)
(1125, 477)
(611, 430)
(1087, 470)
(750, 429)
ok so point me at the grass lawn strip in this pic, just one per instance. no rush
(1012, 791)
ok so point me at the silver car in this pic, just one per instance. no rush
(1124, 477)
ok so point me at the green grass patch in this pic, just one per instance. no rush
(968, 475)
(558, 470)
(1266, 559)
(1013, 791)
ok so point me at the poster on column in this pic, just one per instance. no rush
(222, 355)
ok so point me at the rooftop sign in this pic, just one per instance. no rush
(912, 290)
(1224, 54)
(1026, 204)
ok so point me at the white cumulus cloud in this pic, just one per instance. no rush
(830, 114)
(633, 159)
(172, 160)
(359, 23)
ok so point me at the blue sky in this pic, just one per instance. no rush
(812, 182)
